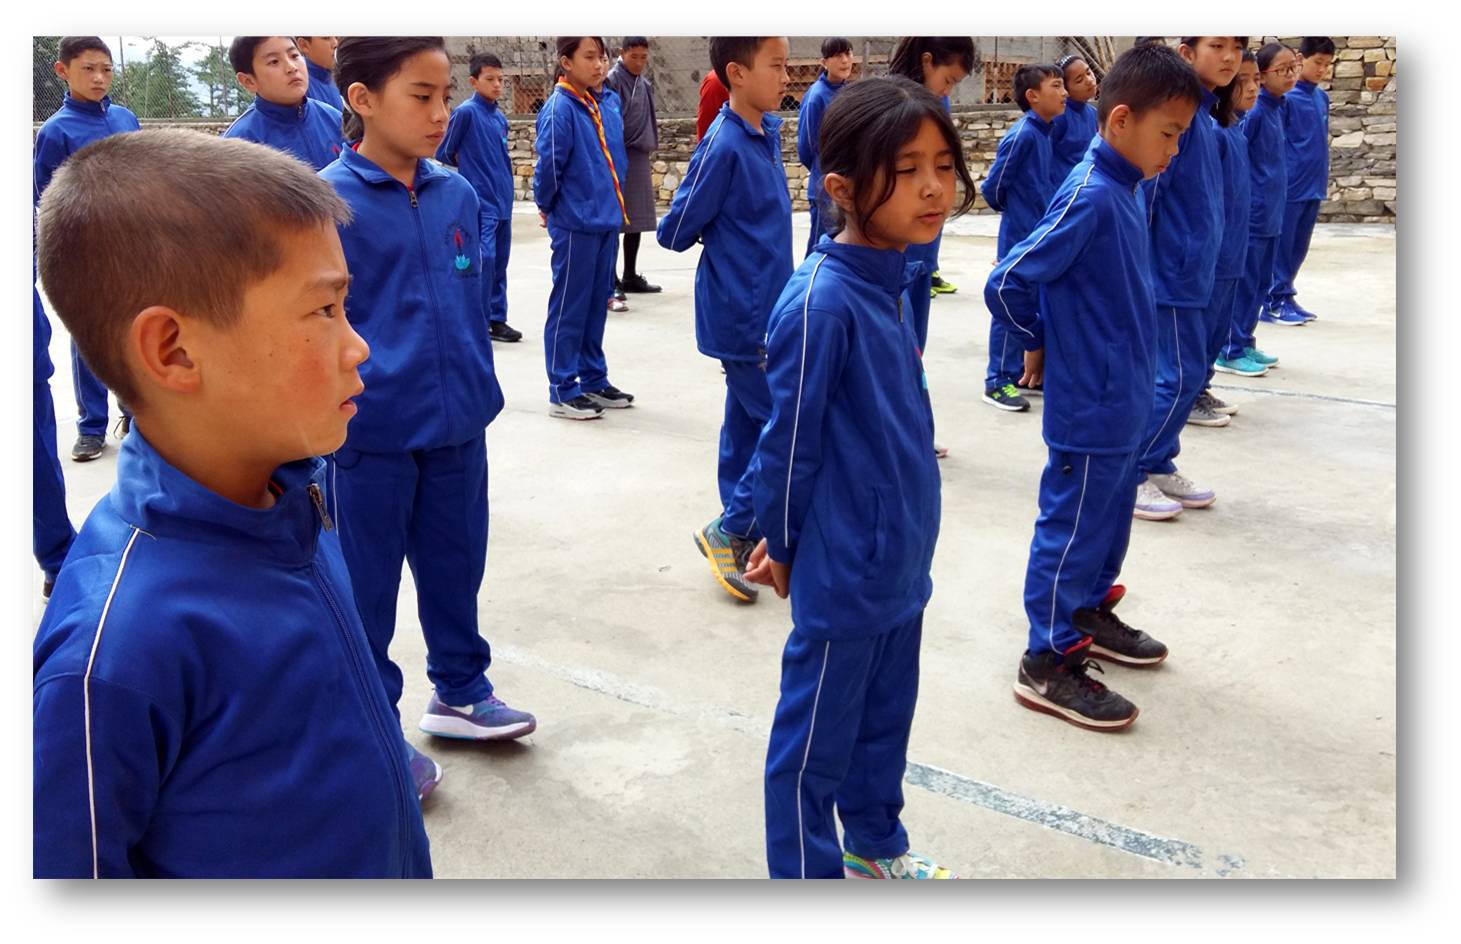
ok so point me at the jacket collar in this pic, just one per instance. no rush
(1209, 99)
(479, 102)
(1036, 122)
(1075, 106)
(84, 107)
(823, 80)
(1113, 165)
(1268, 100)
(154, 496)
(1306, 85)
(320, 73)
(284, 114)
(888, 269)
(770, 124)
(371, 172)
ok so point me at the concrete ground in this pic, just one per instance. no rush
(1266, 743)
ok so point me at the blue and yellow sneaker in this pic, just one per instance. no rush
(729, 556)
(907, 865)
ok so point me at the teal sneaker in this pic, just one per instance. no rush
(1242, 366)
(1253, 354)
(907, 865)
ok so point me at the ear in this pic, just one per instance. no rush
(733, 71)
(61, 71)
(359, 98)
(250, 84)
(157, 350)
(840, 189)
(1119, 118)
(1187, 52)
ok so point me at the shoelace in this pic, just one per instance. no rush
(1010, 390)
(743, 551)
(1085, 680)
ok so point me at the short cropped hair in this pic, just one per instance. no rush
(835, 46)
(1316, 46)
(1144, 77)
(635, 42)
(73, 46)
(1029, 79)
(168, 217)
(483, 60)
(727, 49)
(241, 52)
(1150, 41)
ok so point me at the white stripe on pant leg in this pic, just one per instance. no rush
(1055, 590)
(567, 268)
(86, 700)
(801, 832)
(1177, 346)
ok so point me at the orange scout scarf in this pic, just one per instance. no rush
(593, 110)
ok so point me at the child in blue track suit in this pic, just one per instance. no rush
(204, 702)
(412, 478)
(1019, 188)
(1078, 294)
(51, 530)
(1263, 129)
(1072, 131)
(577, 189)
(847, 489)
(283, 116)
(86, 114)
(1185, 207)
(734, 200)
(836, 70)
(319, 56)
(1306, 155)
(476, 144)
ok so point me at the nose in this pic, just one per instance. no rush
(356, 350)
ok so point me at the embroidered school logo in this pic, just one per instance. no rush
(461, 252)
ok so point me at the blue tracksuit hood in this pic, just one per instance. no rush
(74, 125)
(476, 143)
(571, 181)
(1019, 183)
(1237, 201)
(1079, 287)
(1263, 127)
(311, 130)
(734, 200)
(322, 87)
(847, 486)
(809, 125)
(415, 296)
(1070, 136)
(1185, 207)
(1306, 141)
(193, 652)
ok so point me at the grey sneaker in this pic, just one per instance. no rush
(579, 408)
(728, 556)
(1211, 401)
(1152, 505)
(87, 448)
(1180, 488)
(488, 720)
(425, 772)
(1203, 415)
(611, 398)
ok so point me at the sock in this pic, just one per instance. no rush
(631, 254)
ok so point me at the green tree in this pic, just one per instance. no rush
(225, 97)
(157, 85)
(48, 89)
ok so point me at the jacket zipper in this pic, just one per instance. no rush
(435, 305)
(319, 499)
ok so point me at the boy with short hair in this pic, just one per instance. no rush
(204, 698)
(476, 144)
(282, 115)
(86, 114)
(641, 138)
(734, 200)
(1019, 187)
(319, 59)
(1077, 294)
(836, 71)
(1306, 162)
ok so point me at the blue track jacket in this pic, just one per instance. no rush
(416, 297)
(1071, 132)
(1306, 141)
(1263, 127)
(734, 200)
(809, 125)
(205, 702)
(309, 131)
(571, 181)
(1185, 207)
(846, 485)
(1080, 287)
(476, 144)
(1019, 183)
(322, 87)
(1237, 202)
(75, 125)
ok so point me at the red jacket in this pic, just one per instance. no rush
(712, 96)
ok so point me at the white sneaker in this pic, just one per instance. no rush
(1183, 489)
(1152, 505)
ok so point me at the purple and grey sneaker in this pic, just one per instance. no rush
(425, 772)
(487, 720)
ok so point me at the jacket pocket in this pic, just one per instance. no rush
(877, 541)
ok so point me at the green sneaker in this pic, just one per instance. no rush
(907, 865)
(1253, 354)
(728, 556)
(1006, 398)
(940, 287)
(1242, 366)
